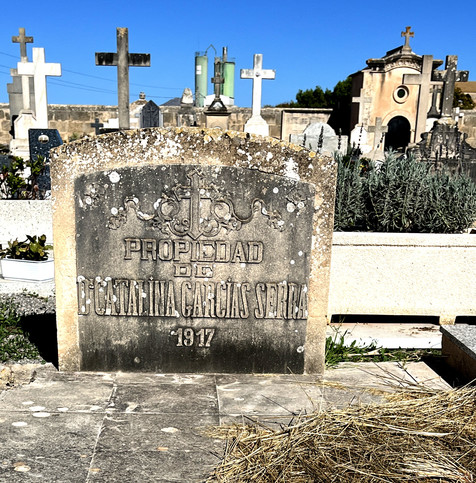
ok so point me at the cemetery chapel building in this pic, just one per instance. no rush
(398, 97)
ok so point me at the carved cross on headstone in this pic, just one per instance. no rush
(22, 40)
(361, 100)
(97, 126)
(39, 69)
(449, 76)
(407, 34)
(424, 81)
(257, 73)
(379, 131)
(123, 60)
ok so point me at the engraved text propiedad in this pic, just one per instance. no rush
(193, 268)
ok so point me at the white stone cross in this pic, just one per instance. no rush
(362, 101)
(39, 70)
(257, 73)
(378, 131)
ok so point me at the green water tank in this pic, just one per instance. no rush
(229, 75)
(201, 78)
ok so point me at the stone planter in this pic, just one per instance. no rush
(38, 271)
(403, 274)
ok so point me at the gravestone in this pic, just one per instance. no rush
(41, 141)
(190, 250)
(150, 115)
(321, 138)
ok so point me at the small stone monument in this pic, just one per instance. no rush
(191, 250)
(216, 114)
(321, 138)
(186, 113)
(256, 124)
(150, 115)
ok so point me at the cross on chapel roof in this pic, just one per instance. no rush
(407, 34)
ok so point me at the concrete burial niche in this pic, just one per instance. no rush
(191, 250)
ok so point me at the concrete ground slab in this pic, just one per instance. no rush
(111, 427)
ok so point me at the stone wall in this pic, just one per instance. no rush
(70, 120)
(75, 120)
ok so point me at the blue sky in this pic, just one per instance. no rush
(308, 43)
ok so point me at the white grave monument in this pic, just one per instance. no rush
(39, 69)
(256, 124)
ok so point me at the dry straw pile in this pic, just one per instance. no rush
(417, 436)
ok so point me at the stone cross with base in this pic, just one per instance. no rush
(217, 81)
(361, 100)
(379, 132)
(407, 34)
(424, 80)
(257, 125)
(22, 39)
(123, 60)
(39, 69)
(449, 76)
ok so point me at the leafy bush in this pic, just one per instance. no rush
(16, 184)
(402, 195)
(14, 343)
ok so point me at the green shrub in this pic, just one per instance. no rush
(14, 343)
(402, 195)
(14, 184)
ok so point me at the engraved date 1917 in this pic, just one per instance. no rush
(187, 337)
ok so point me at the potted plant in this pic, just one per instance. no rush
(27, 260)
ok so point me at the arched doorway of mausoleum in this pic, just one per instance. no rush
(398, 134)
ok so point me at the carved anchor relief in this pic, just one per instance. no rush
(195, 210)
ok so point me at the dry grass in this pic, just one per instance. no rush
(418, 436)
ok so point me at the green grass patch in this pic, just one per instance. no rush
(338, 351)
(14, 343)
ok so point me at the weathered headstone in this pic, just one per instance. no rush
(41, 141)
(359, 139)
(123, 60)
(256, 124)
(449, 76)
(150, 115)
(191, 250)
(321, 138)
